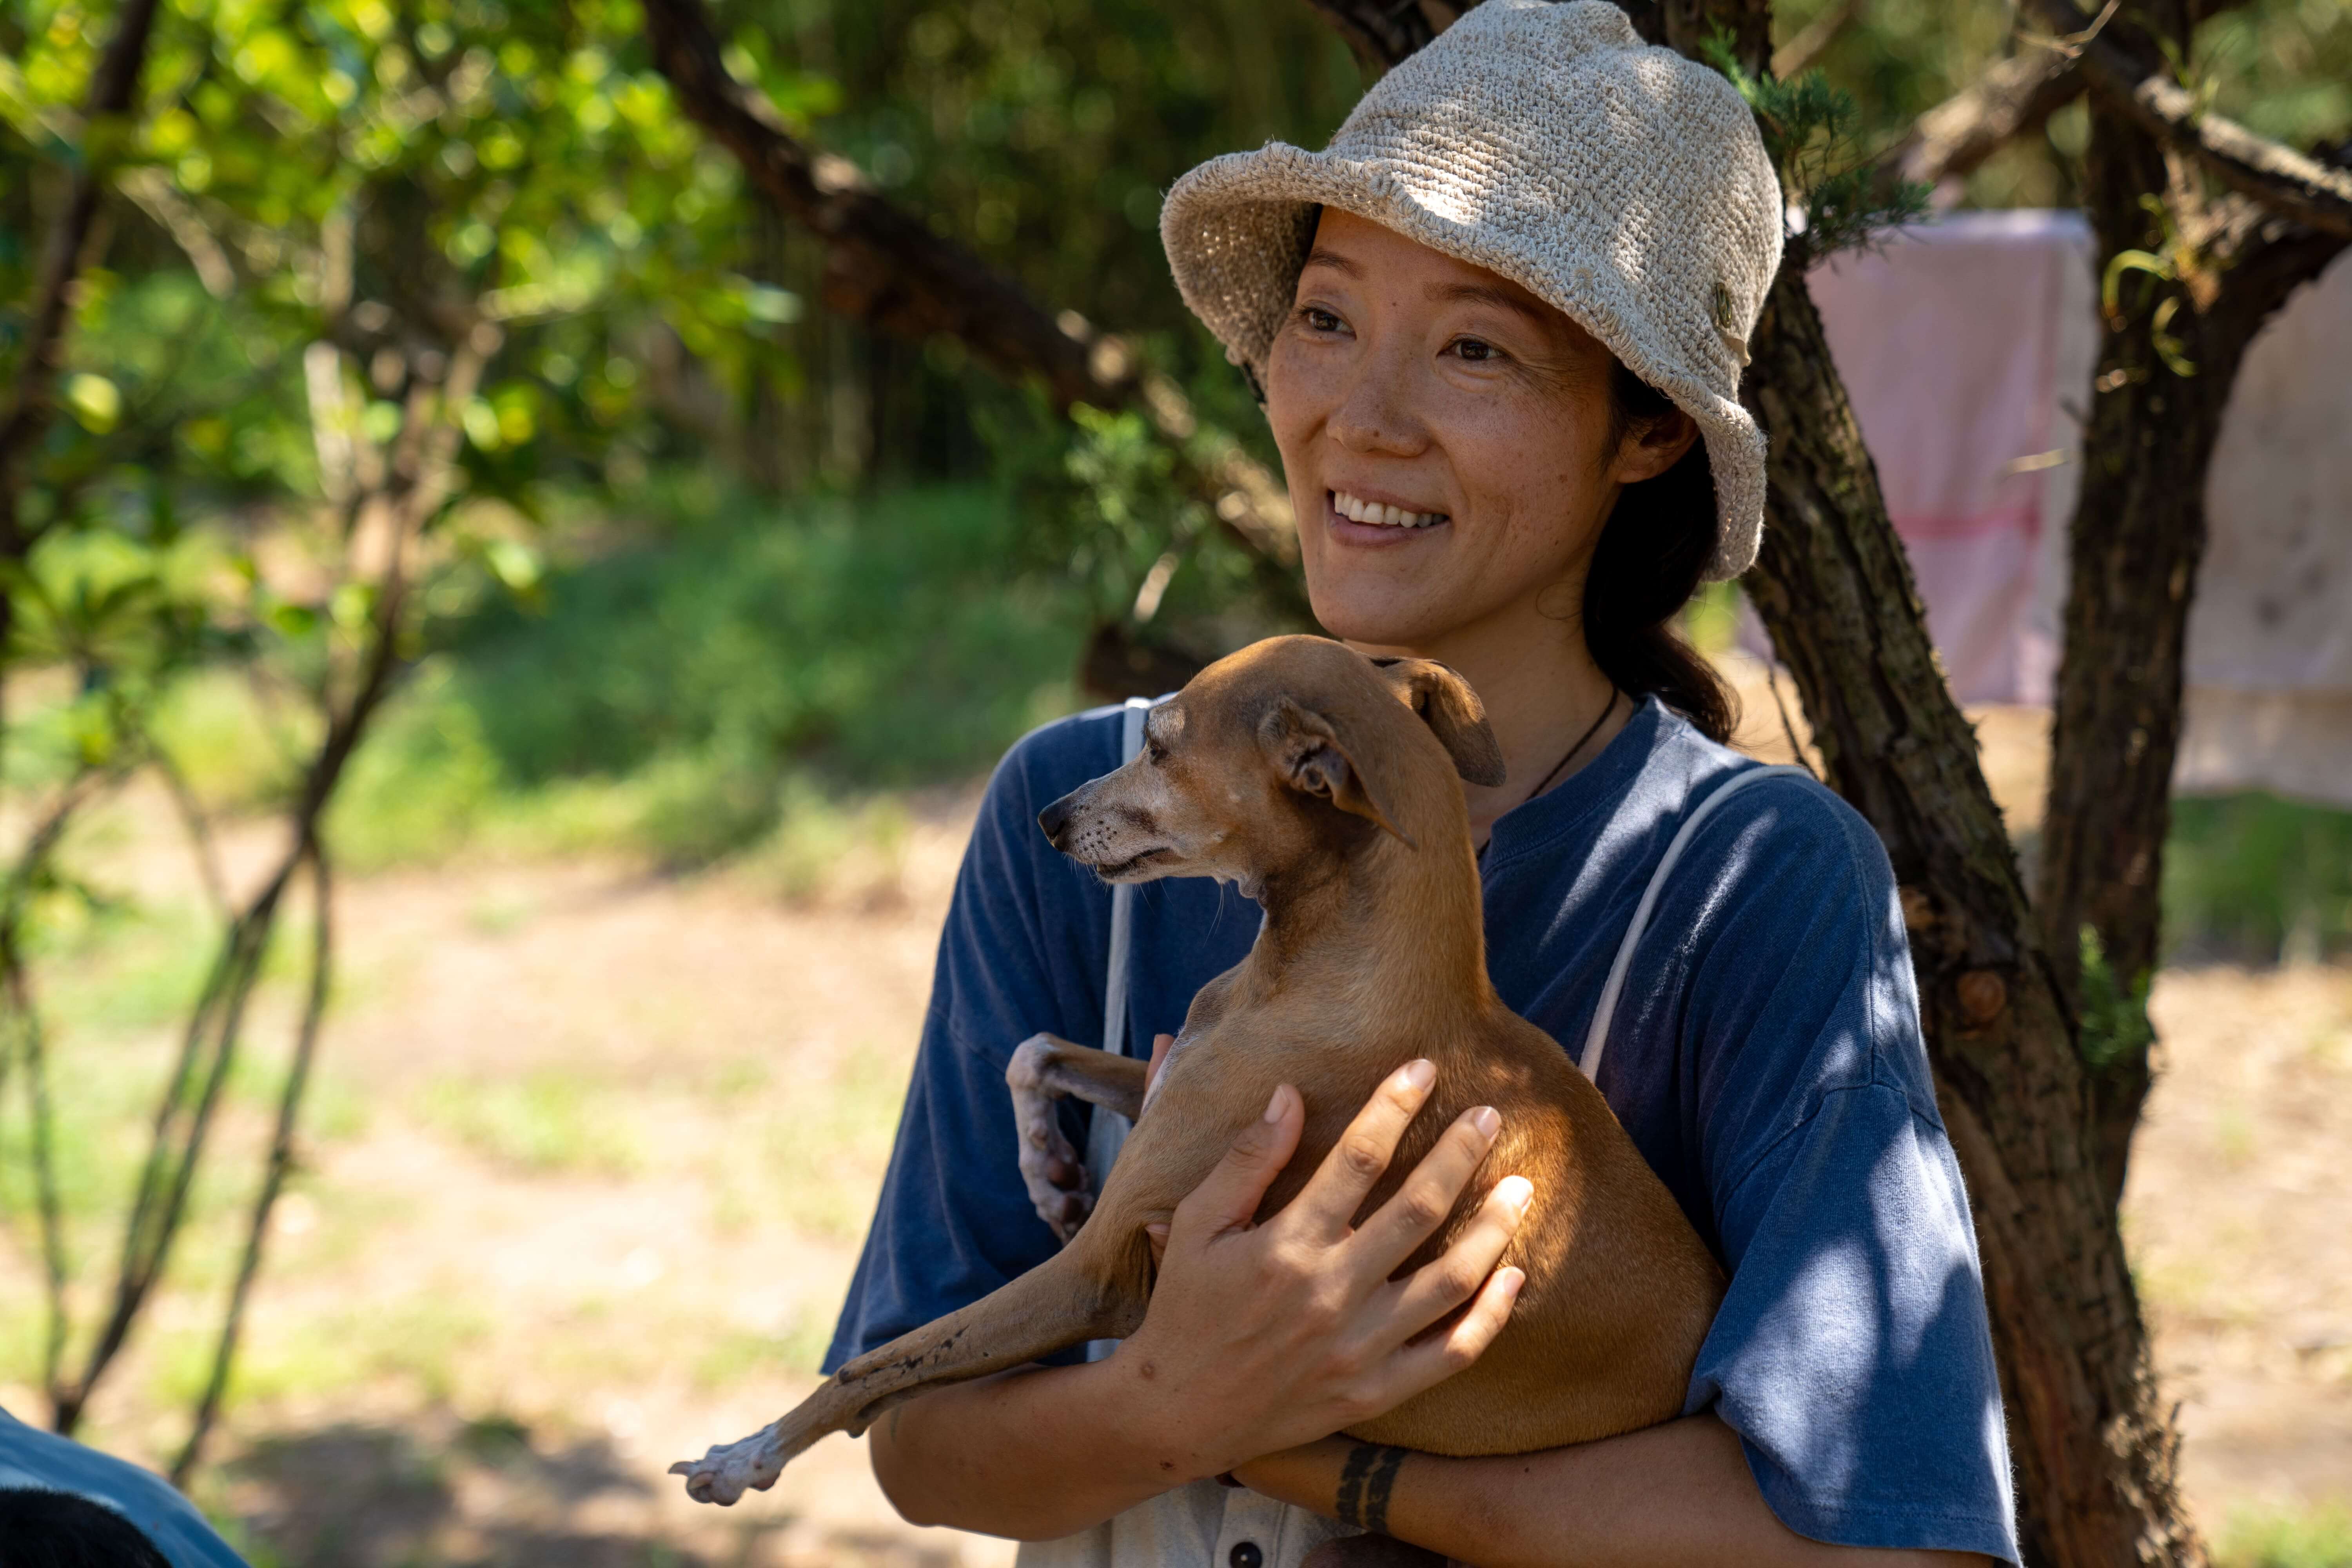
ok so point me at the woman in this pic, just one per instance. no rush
(1498, 326)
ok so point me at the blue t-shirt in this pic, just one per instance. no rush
(1765, 1057)
(43, 1461)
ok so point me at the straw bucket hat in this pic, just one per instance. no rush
(1621, 182)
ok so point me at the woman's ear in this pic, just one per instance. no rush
(1650, 447)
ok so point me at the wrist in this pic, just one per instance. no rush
(1155, 1428)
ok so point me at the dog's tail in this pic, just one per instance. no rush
(1051, 1308)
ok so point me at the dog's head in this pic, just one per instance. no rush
(1293, 747)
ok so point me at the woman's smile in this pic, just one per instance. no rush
(1366, 519)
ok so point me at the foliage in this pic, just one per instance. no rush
(2257, 878)
(1811, 132)
(2115, 1026)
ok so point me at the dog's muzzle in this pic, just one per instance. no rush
(1055, 820)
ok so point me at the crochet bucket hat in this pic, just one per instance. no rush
(1619, 181)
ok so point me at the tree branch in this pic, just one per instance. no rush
(1792, 57)
(2285, 181)
(2013, 97)
(111, 89)
(885, 266)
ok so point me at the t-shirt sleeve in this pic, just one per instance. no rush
(1023, 951)
(1853, 1353)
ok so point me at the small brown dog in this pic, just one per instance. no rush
(1325, 785)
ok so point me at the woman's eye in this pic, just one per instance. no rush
(1474, 350)
(1318, 319)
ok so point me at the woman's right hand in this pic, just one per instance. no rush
(1261, 1337)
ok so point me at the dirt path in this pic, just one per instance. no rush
(595, 1151)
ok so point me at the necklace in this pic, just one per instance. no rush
(1591, 730)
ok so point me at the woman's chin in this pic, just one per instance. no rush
(1377, 621)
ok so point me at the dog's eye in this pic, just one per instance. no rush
(1154, 751)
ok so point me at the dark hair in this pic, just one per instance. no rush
(1646, 568)
(63, 1530)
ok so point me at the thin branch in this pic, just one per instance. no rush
(2014, 97)
(1792, 57)
(202, 846)
(886, 268)
(111, 89)
(273, 1180)
(42, 1117)
(2285, 181)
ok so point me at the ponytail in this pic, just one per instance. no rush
(1646, 568)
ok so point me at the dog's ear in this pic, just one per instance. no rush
(1448, 706)
(1307, 754)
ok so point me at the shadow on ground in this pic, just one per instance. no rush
(491, 1494)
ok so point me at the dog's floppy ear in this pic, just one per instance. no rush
(1308, 756)
(1448, 706)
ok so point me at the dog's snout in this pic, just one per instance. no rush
(1055, 819)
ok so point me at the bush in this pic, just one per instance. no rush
(2255, 879)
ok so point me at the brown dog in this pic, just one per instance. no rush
(1326, 786)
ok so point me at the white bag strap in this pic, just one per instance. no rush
(1107, 1129)
(1598, 1036)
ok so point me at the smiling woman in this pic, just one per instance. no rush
(1498, 327)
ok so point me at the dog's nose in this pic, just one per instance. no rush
(1054, 819)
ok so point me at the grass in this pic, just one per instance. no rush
(546, 1123)
(721, 684)
(2255, 879)
(2317, 1536)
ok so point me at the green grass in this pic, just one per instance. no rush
(547, 1123)
(2309, 1537)
(724, 679)
(2255, 879)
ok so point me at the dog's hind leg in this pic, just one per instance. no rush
(1043, 1069)
(1086, 1293)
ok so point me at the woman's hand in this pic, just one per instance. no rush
(1262, 1337)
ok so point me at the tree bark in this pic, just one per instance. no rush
(2170, 351)
(2014, 96)
(113, 86)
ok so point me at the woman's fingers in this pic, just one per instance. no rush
(1227, 1198)
(1440, 1356)
(1417, 1208)
(1332, 1195)
(1456, 1275)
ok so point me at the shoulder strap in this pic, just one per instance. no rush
(1106, 1130)
(1597, 1037)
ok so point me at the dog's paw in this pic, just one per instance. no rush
(730, 1469)
(1050, 1169)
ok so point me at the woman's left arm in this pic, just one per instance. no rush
(1680, 1493)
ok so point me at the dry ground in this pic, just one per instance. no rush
(594, 1151)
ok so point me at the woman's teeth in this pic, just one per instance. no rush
(1378, 516)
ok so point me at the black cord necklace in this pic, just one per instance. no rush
(1591, 730)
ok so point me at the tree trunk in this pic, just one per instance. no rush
(2094, 1450)
(2170, 351)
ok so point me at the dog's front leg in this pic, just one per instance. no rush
(1046, 1069)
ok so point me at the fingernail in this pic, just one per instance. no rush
(1273, 1106)
(1515, 1192)
(1157, 1229)
(1512, 1279)
(1419, 1075)
(1487, 1120)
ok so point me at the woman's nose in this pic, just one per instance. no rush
(1374, 414)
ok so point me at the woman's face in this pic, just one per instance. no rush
(1447, 439)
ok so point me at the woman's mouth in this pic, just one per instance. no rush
(1353, 519)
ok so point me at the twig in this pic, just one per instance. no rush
(202, 846)
(43, 1128)
(2283, 179)
(1792, 57)
(273, 1180)
(1787, 726)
